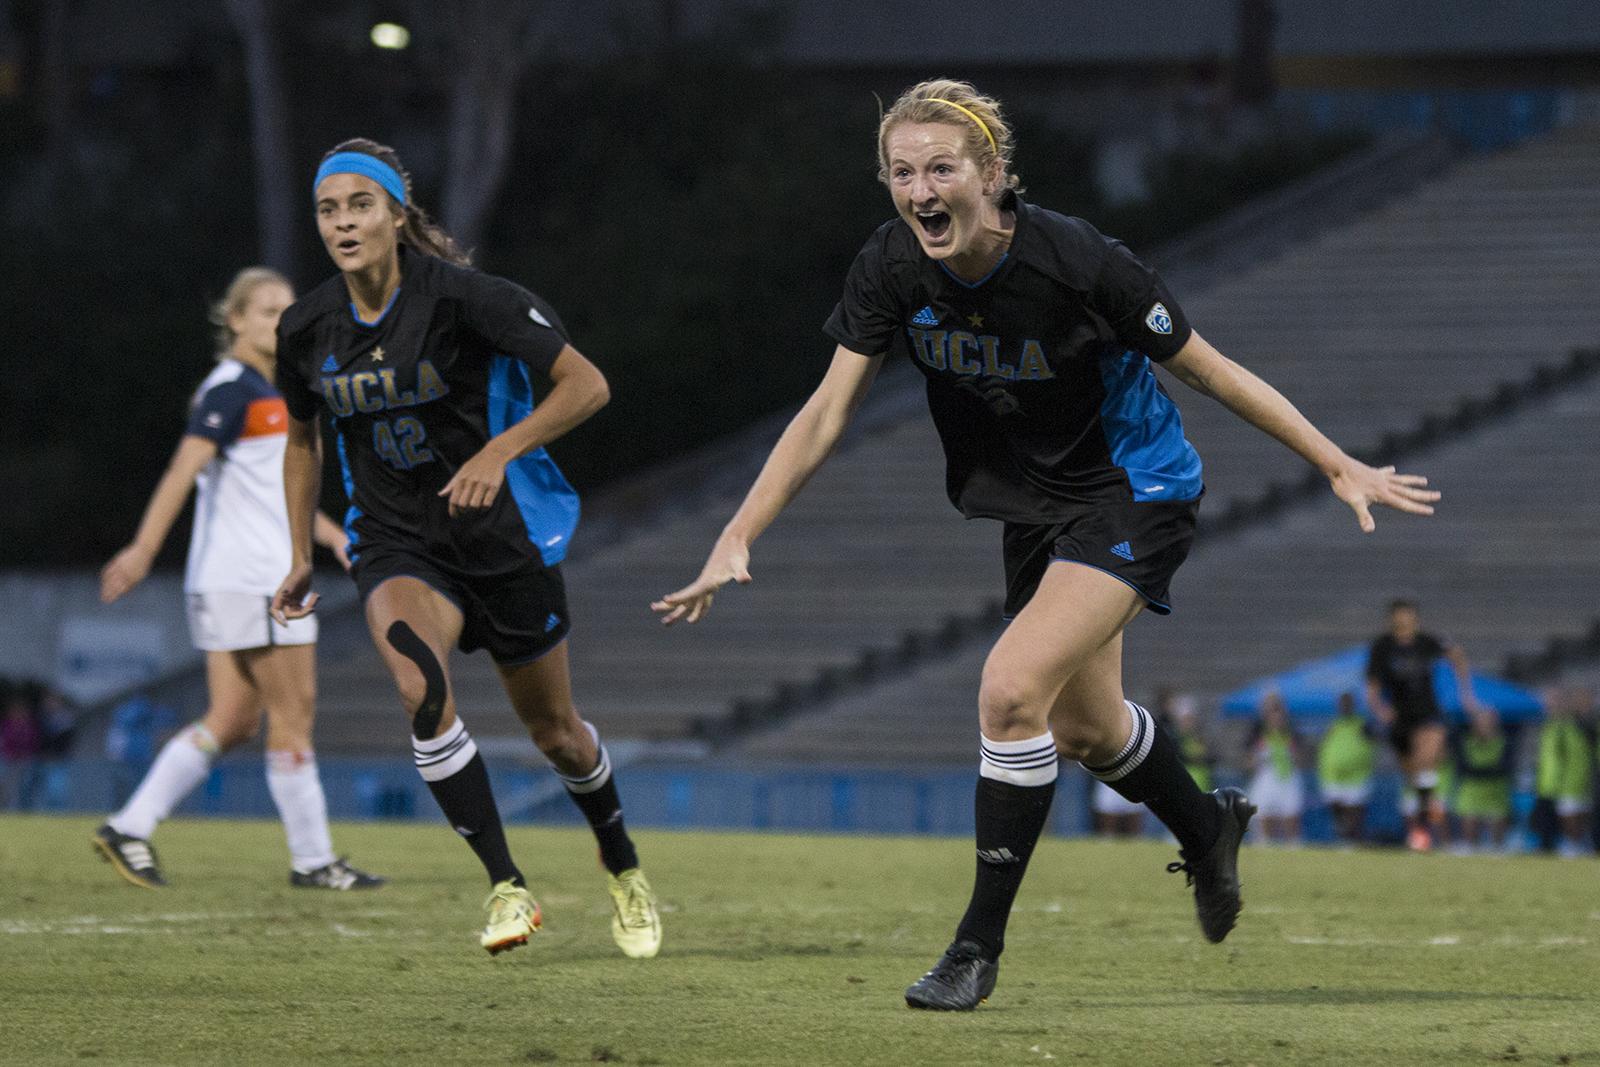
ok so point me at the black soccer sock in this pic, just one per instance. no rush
(1010, 817)
(1150, 771)
(595, 794)
(459, 781)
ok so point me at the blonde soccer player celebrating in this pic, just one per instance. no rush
(1035, 335)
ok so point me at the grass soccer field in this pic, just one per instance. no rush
(783, 950)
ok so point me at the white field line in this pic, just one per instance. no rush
(121, 924)
(1503, 941)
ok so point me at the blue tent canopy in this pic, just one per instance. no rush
(1313, 688)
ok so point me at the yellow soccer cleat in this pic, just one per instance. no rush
(513, 915)
(635, 924)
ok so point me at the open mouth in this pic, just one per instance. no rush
(935, 224)
(349, 244)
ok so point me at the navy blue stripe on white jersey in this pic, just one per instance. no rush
(221, 407)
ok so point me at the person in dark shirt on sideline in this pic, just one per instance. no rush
(1400, 693)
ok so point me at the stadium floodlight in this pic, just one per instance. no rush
(390, 35)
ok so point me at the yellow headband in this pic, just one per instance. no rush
(981, 124)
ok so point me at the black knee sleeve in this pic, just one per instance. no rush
(425, 723)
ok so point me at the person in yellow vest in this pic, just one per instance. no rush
(1277, 787)
(1345, 759)
(1483, 767)
(1566, 765)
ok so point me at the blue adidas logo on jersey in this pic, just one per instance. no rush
(1124, 550)
(925, 317)
(329, 364)
(552, 622)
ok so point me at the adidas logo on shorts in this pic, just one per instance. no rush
(1125, 550)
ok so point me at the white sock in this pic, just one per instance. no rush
(183, 764)
(297, 791)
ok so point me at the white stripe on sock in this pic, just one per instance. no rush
(1031, 762)
(596, 778)
(1140, 740)
(442, 756)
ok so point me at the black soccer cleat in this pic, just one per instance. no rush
(961, 980)
(132, 857)
(336, 875)
(1215, 876)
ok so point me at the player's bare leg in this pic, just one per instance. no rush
(285, 676)
(233, 716)
(1422, 769)
(414, 628)
(541, 693)
(1053, 684)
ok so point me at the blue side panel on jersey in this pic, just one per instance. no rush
(352, 513)
(1145, 431)
(548, 504)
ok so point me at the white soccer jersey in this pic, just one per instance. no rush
(241, 524)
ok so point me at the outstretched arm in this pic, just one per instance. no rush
(302, 483)
(579, 391)
(1205, 370)
(129, 567)
(809, 439)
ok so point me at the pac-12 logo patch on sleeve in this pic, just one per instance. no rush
(1159, 319)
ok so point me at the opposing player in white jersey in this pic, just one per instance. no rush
(233, 450)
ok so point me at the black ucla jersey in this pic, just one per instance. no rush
(1405, 673)
(419, 392)
(1037, 376)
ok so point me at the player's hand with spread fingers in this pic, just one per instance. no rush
(294, 598)
(475, 486)
(1361, 486)
(729, 562)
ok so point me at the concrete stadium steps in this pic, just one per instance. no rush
(1470, 280)
(1347, 324)
(1512, 555)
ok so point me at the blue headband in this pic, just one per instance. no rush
(365, 165)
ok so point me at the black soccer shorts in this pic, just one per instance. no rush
(1141, 543)
(1402, 735)
(517, 615)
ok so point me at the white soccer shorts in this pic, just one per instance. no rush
(230, 622)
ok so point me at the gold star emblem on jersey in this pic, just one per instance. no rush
(377, 354)
(975, 320)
